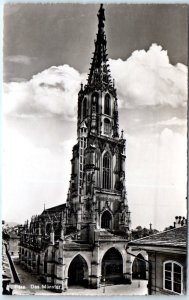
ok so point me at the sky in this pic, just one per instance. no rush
(47, 54)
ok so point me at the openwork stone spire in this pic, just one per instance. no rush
(99, 76)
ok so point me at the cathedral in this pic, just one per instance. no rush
(83, 241)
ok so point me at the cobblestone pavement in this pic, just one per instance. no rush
(31, 286)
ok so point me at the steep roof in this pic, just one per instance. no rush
(54, 209)
(176, 237)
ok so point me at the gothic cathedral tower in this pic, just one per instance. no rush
(83, 242)
(97, 194)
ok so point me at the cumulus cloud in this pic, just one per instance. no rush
(53, 91)
(147, 78)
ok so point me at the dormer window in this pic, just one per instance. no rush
(107, 105)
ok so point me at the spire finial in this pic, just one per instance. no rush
(101, 18)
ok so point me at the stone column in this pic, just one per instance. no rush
(128, 273)
(94, 279)
(50, 265)
(41, 265)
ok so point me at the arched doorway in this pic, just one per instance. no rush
(139, 267)
(78, 272)
(112, 266)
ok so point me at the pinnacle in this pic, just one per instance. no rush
(99, 73)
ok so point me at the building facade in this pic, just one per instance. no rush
(167, 259)
(83, 242)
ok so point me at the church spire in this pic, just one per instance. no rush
(99, 76)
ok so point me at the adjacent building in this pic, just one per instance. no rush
(167, 259)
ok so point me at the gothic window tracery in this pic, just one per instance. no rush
(95, 102)
(106, 171)
(97, 163)
(107, 105)
(107, 126)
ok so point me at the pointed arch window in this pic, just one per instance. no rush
(106, 220)
(107, 105)
(106, 171)
(107, 126)
(84, 108)
(97, 163)
(95, 102)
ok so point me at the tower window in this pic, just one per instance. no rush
(107, 105)
(84, 108)
(106, 220)
(107, 126)
(95, 102)
(106, 171)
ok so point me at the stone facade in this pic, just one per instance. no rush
(84, 240)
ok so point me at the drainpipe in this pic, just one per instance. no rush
(150, 270)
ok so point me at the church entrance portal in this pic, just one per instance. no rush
(112, 266)
(78, 272)
(139, 268)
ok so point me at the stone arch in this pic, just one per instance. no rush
(139, 267)
(112, 266)
(78, 271)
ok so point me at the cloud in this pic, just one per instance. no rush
(173, 122)
(156, 176)
(19, 59)
(32, 175)
(53, 91)
(145, 79)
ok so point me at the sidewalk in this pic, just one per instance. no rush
(31, 286)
